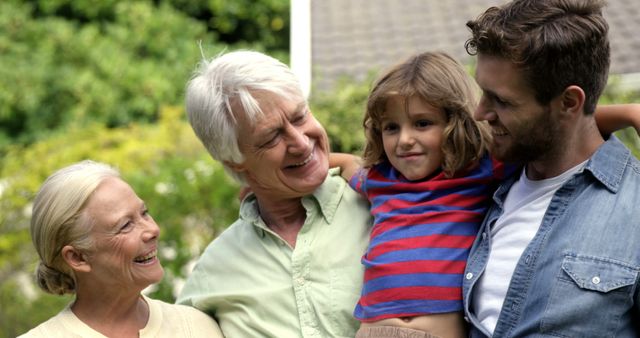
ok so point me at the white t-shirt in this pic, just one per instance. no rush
(524, 208)
(165, 320)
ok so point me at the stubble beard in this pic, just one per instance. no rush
(536, 141)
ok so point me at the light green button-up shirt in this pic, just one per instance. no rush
(256, 285)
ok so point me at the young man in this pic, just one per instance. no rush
(558, 252)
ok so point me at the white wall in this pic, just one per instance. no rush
(300, 43)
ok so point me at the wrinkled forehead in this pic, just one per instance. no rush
(110, 201)
(250, 110)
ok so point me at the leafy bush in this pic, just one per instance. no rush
(57, 73)
(231, 21)
(341, 112)
(68, 62)
(237, 21)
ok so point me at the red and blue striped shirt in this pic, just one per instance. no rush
(421, 237)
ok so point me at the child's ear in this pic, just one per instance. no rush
(76, 260)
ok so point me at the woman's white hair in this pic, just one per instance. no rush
(232, 80)
(58, 220)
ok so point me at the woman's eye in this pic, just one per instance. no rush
(126, 226)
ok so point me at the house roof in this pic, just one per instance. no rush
(355, 37)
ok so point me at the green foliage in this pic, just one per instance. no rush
(341, 112)
(20, 313)
(231, 21)
(188, 194)
(238, 21)
(73, 62)
(56, 72)
(80, 10)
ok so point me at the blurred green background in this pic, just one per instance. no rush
(104, 80)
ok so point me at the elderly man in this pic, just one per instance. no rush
(290, 265)
(558, 253)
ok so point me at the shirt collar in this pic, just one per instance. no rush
(607, 166)
(608, 163)
(329, 194)
(327, 197)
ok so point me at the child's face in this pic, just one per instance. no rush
(412, 135)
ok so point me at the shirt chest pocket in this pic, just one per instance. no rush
(589, 297)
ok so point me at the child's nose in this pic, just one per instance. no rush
(406, 137)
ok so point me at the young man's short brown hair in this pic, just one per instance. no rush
(557, 43)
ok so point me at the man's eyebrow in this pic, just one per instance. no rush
(489, 92)
(269, 131)
(301, 106)
(494, 95)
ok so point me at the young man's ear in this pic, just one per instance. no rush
(75, 259)
(572, 100)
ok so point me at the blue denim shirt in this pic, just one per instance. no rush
(579, 275)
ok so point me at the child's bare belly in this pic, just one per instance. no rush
(445, 325)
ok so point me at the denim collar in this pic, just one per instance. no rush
(608, 163)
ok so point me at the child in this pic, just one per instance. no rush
(429, 178)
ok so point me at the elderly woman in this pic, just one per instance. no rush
(96, 238)
(290, 265)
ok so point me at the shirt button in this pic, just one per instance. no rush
(484, 235)
(469, 275)
(595, 280)
(466, 319)
(300, 281)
